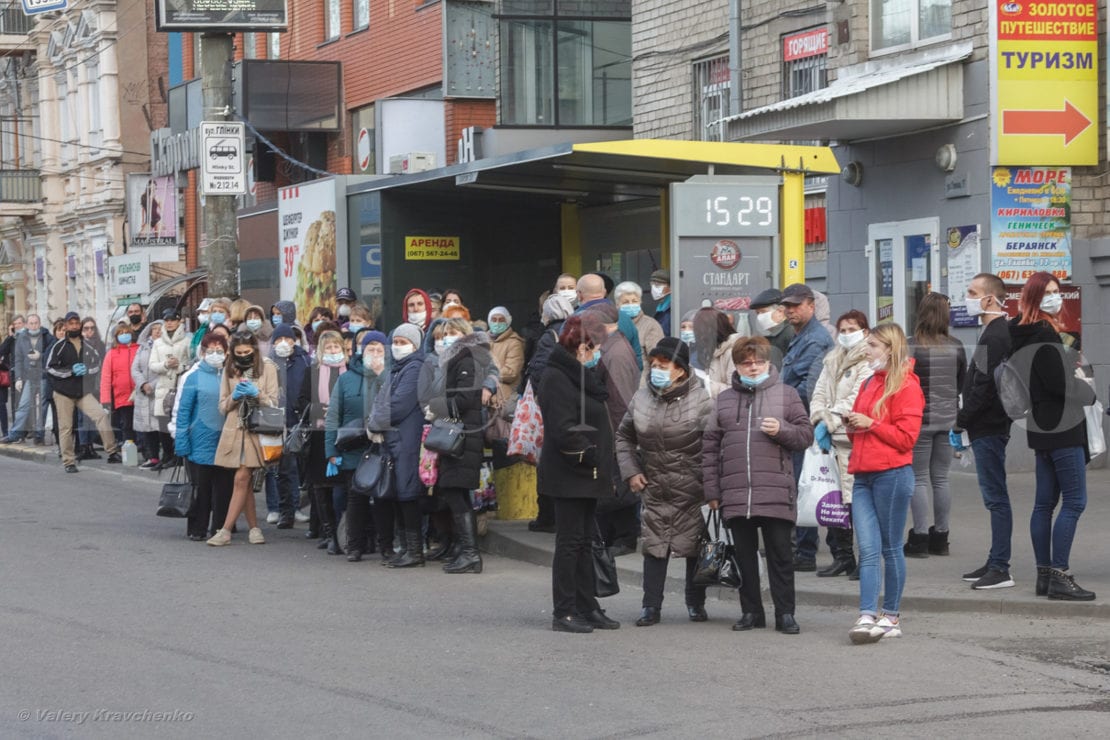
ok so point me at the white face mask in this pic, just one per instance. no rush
(974, 306)
(657, 291)
(283, 349)
(851, 339)
(215, 359)
(401, 351)
(344, 310)
(570, 295)
(877, 365)
(418, 318)
(766, 321)
(373, 360)
(1052, 303)
(440, 346)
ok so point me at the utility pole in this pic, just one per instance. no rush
(221, 250)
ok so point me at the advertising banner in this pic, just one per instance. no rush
(152, 211)
(129, 274)
(431, 248)
(307, 223)
(1030, 222)
(1070, 316)
(725, 274)
(964, 259)
(222, 15)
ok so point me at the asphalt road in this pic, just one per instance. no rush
(114, 625)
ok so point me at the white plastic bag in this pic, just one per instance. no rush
(1096, 442)
(819, 497)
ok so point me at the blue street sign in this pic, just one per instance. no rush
(31, 7)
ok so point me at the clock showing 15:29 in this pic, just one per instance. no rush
(727, 209)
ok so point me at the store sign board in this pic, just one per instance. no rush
(129, 274)
(812, 43)
(1030, 222)
(222, 15)
(432, 248)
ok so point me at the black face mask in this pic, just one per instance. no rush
(135, 319)
(73, 333)
(244, 361)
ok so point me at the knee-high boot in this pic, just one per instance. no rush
(413, 555)
(469, 560)
(327, 520)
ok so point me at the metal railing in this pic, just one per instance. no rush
(20, 186)
(13, 21)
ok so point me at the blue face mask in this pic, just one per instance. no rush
(631, 310)
(753, 382)
(254, 324)
(123, 338)
(215, 319)
(687, 335)
(276, 319)
(316, 324)
(593, 360)
(497, 328)
(355, 328)
(661, 378)
(450, 339)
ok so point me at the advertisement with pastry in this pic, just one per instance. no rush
(312, 245)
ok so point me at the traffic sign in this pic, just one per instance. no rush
(1045, 100)
(223, 166)
(32, 7)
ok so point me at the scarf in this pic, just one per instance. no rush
(328, 376)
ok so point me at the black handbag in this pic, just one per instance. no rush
(351, 436)
(446, 437)
(716, 557)
(296, 441)
(178, 495)
(266, 420)
(374, 475)
(605, 568)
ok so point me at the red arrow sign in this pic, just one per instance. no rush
(1069, 122)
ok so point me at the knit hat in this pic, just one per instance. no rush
(410, 332)
(556, 308)
(673, 349)
(373, 336)
(499, 310)
(283, 331)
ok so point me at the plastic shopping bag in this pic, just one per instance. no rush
(526, 433)
(819, 497)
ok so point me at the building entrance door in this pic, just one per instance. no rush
(903, 265)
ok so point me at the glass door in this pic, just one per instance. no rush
(903, 266)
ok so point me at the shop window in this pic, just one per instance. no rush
(566, 64)
(904, 24)
(712, 89)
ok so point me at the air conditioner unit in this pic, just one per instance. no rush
(404, 164)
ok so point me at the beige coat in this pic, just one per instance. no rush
(842, 375)
(720, 370)
(649, 332)
(162, 349)
(508, 352)
(238, 447)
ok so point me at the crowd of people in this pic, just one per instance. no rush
(646, 425)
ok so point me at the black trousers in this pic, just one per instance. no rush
(778, 544)
(123, 423)
(213, 485)
(546, 509)
(360, 518)
(655, 577)
(573, 585)
(457, 499)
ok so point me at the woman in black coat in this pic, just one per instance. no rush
(465, 361)
(320, 474)
(576, 469)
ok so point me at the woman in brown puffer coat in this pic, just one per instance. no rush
(749, 475)
(659, 453)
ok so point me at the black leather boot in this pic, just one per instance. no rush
(917, 545)
(469, 559)
(844, 560)
(1062, 587)
(333, 541)
(413, 556)
(938, 542)
(1044, 573)
(446, 545)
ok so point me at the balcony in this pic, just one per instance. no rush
(20, 192)
(14, 27)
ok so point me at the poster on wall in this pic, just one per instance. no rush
(725, 274)
(964, 258)
(884, 306)
(1030, 222)
(1070, 316)
(152, 211)
(307, 223)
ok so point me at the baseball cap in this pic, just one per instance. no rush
(346, 294)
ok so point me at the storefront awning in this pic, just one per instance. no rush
(877, 98)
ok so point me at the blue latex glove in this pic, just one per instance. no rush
(79, 369)
(250, 389)
(821, 434)
(238, 392)
(333, 466)
(954, 439)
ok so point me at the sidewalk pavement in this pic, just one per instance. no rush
(932, 584)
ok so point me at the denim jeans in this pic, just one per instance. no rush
(880, 502)
(272, 488)
(24, 425)
(932, 457)
(990, 467)
(1060, 474)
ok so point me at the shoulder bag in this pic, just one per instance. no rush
(605, 568)
(352, 436)
(266, 420)
(374, 475)
(296, 441)
(716, 557)
(446, 436)
(178, 495)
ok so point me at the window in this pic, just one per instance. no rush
(92, 103)
(273, 46)
(566, 63)
(711, 97)
(362, 14)
(903, 24)
(332, 20)
(804, 57)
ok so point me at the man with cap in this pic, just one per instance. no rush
(293, 366)
(345, 299)
(770, 320)
(74, 369)
(661, 294)
(202, 325)
(169, 358)
(800, 369)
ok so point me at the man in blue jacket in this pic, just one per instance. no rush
(800, 369)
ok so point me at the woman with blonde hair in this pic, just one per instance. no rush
(883, 427)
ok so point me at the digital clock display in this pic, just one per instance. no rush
(736, 209)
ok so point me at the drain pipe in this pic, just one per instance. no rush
(735, 57)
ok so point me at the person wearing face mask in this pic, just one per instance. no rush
(359, 319)
(770, 320)
(320, 473)
(398, 416)
(659, 454)
(508, 354)
(136, 318)
(169, 358)
(988, 427)
(748, 476)
(345, 300)
(566, 287)
(6, 362)
(940, 365)
(351, 400)
(200, 325)
(144, 420)
(661, 294)
(116, 384)
(628, 296)
(416, 309)
(883, 426)
(248, 381)
(320, 319)
(714, 336)
(556, 310)
(283, 312)
(1056, 431)
(452, 296)
(31, 345)
(293, 370)
(843, 373)
(198, 424)
(255, 322)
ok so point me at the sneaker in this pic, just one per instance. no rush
(221, 538)
(300, 517)
(149, 464)
(865, 631)
(976, 574)
(994, 579)
(272, 517)
(888, 628)
(255, 536)
(71, 468)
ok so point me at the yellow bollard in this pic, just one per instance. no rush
(516, 492)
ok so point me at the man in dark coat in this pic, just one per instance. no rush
(293, 366)
(770, 321)
(31, 347)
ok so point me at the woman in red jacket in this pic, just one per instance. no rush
(116, 385)
(883, 425)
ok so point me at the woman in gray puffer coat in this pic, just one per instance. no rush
(659, 453)
(749, 475)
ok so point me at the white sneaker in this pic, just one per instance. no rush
(888, 628)
(255, 536)
(300, 517)
(221, 538)
(865, 631)
(272, 517)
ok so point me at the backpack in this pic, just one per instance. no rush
(1013, 390)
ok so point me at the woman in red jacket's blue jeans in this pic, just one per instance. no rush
(883, 425)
